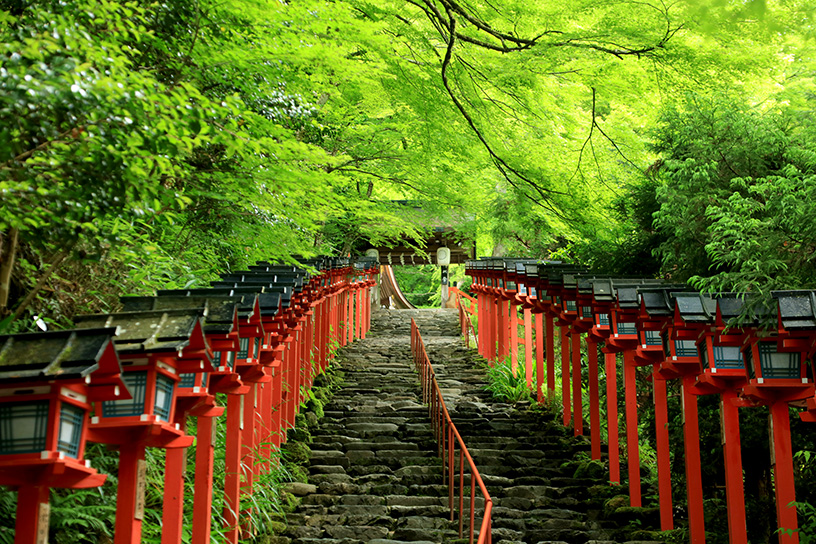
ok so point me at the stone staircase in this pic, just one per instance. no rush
(373, 473)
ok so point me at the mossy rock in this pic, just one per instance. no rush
(315, 407)
(641, 515)
(276, 527)
(299, 435)
(675, 536)
(645, 535)
(297, 453)
(618, 501)
(289, 502)
(592, 469)
(598, 494)
(298, 473)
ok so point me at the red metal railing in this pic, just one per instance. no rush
(465, 313)
(448, 438)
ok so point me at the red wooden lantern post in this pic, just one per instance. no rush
(154, 347)
(544, 302)
(624, 338)
(48, 382)
(603, 297)
(502, 312)
(195, 397)
(566, 304)
(585, 323)
(236, 375)
(489, 286)
(778, 375)
(507, 296)
(576, 312)
(531, 281)
(616, 310)
(724, 372)
(656, 311)
(525, 298)
(682, 361)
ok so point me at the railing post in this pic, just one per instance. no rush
(632, 441)
(594, 399)
(539, 354)
(450, 471)
(610, 360)
(528, 347)
(550, 357)
(662, 450)
(481, 316)
(577, 396)
(513, 322)
(782, 462)
(461, 491)
(734, 489)
(502, 316)
(691, 440)
(565, 374)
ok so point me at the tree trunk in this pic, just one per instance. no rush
(8, 251)
(52, 266)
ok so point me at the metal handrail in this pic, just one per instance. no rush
(445, 432)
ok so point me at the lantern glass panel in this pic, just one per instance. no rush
(685, 348)
(511, 286)
(164, 397)
(571, 306)
(653, 338)
(627, 327)
(533, 292)
(778, 365)
(136, 383)
(70, 429)
(230, 359)
(603, 320)
(728, 357)
(187, 380)
(243, 348)
(586, 312)
(23, 427)
(522, 289)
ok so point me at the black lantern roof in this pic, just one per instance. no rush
(262, 266)
(219, 312)
(622, 290)
(147, 332)
(211, 291)
(271, 303)
(69, 354)
(263, 288)
(531, 270)
(516, 265)
(694, 307)
(660, 300)
(556, 276)
(545, 267)
(246, 295)
(797, 309)
(730, 305)
(296, 279)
